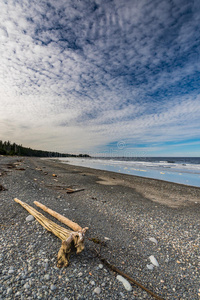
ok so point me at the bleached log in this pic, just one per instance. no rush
(58, 216)
(69, 238)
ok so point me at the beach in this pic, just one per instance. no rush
(136, 218)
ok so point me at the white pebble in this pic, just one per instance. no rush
(97, 290)
(30, 218)
(100, 266)
(9, 291)
(47, 277)
(150, 267)
(125, 282)
(153, 240)
(53, 287)
(26, 286)
(154, 261)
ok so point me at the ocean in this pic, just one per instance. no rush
(183, 170)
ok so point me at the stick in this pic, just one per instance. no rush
(61, 218)
(69, 191)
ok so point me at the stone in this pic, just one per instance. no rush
(153, 240)
(9, 291)
(154, 261)
(150, 267)
(53, 287)
(26, 286)
(47, 277)
(30, 218)
(100, 266)
(125, 283)
(97, 290)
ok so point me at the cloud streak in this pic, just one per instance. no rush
(79, 75)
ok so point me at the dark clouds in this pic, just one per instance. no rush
(100, 71)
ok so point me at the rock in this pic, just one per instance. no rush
(125, 282)
(9, 291)
(153, 240)
(154, 261)
(92, 282)
(11, 270)
(30, 218)
(97, 290)
(100, 266)
(150, 267)
(47, 277)
(53, 287)
(26, 286)
(46, 265)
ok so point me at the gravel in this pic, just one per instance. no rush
(129, 224)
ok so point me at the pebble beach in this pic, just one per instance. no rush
(148, 228)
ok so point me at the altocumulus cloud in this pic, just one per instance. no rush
(80, 75)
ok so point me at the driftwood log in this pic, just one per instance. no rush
(59, 217)
(70, 239)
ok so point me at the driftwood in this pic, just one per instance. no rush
(69, 191)
(70, 239)
(61, 218)
(73, 238)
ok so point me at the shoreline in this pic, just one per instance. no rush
(177, 174)
(121, 212)
(156, 190)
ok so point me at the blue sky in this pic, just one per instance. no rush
(101, 77)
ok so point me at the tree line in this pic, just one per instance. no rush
(8, 148)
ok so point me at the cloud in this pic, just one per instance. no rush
(81, 75)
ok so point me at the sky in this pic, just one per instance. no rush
(114, 78)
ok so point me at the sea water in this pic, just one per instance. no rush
(183, 170)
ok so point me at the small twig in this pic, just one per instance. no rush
(69, 191)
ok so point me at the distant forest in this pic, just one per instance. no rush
(7, 148)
